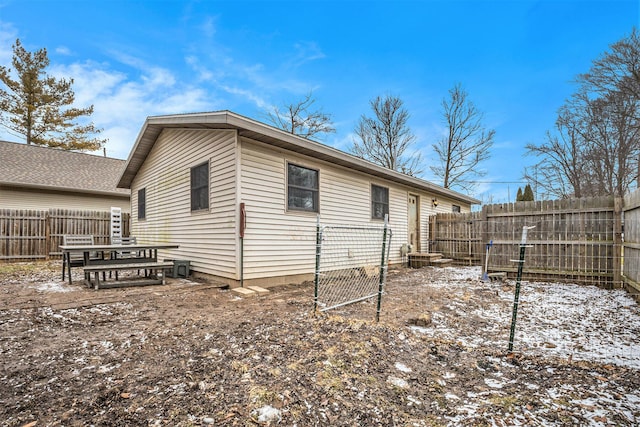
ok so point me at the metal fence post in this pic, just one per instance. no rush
(523, 246)
(317, 275)
(383, 266)
(617, 242)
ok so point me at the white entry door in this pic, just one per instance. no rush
(414, 222)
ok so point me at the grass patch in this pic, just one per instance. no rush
(24, 267)
(507, 403)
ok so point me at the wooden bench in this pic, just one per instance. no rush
(76, 258)
(131, 240)
(152, 267)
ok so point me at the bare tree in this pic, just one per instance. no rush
(563, 163)
(595, 148)
(386, 138)
(613, 133)
(466, 145)
(298, 118)
(610, 93)
(617, 69)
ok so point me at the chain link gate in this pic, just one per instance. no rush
(351, 264)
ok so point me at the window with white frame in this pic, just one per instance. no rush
(142, 203)
(200, 187)
(303, 192)
(379, 201)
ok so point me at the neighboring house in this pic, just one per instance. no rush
(35, 177)
(188, 175)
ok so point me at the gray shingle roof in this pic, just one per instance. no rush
(42, 167)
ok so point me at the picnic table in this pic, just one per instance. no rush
(140, 257)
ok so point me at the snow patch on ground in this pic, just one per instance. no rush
(402, 367)
(53, 287)
(493, 383)
(580, 322)
(398, 382)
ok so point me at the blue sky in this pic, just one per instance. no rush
(516, 59)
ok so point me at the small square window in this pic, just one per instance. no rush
(200, 187)
(455, 208)
(379, 201)
(142, 203)
(303, 192)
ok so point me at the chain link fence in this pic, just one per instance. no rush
(351, 264)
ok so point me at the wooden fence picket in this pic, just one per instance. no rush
(631, 243)
(573, 239)
(36, 234)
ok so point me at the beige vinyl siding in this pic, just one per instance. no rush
(207, 238)
(426, 209)
(22, 198)
(346, 197)
(398, 219)
(280, 242)
(276, 242)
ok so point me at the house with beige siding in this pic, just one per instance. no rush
(41, 178)
(189, 174)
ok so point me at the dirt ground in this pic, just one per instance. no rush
(190, 354)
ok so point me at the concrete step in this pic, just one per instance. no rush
(250, 291)
(258, 290)
(441, 262)
(425, 255)
(244, 292)
(419, 259)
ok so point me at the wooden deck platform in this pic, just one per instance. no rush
(421, 259)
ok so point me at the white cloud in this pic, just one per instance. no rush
(505, 144)
(247, 82)
(202, 72)
(343, 142)
(122, 103)
(156, 77)
(126, 59)
(129, 89)
(8, 36)
(255, 82)
(208, 27)
(91, 80)
(305, 51)
(63, 50)
(248, 94)
(191, 100)
(120, 140)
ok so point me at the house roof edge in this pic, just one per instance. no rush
(226, 119)
(64, 189)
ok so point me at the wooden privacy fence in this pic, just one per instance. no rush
(631, 244)
(573, 239)
(36, 234)
(457, 236)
